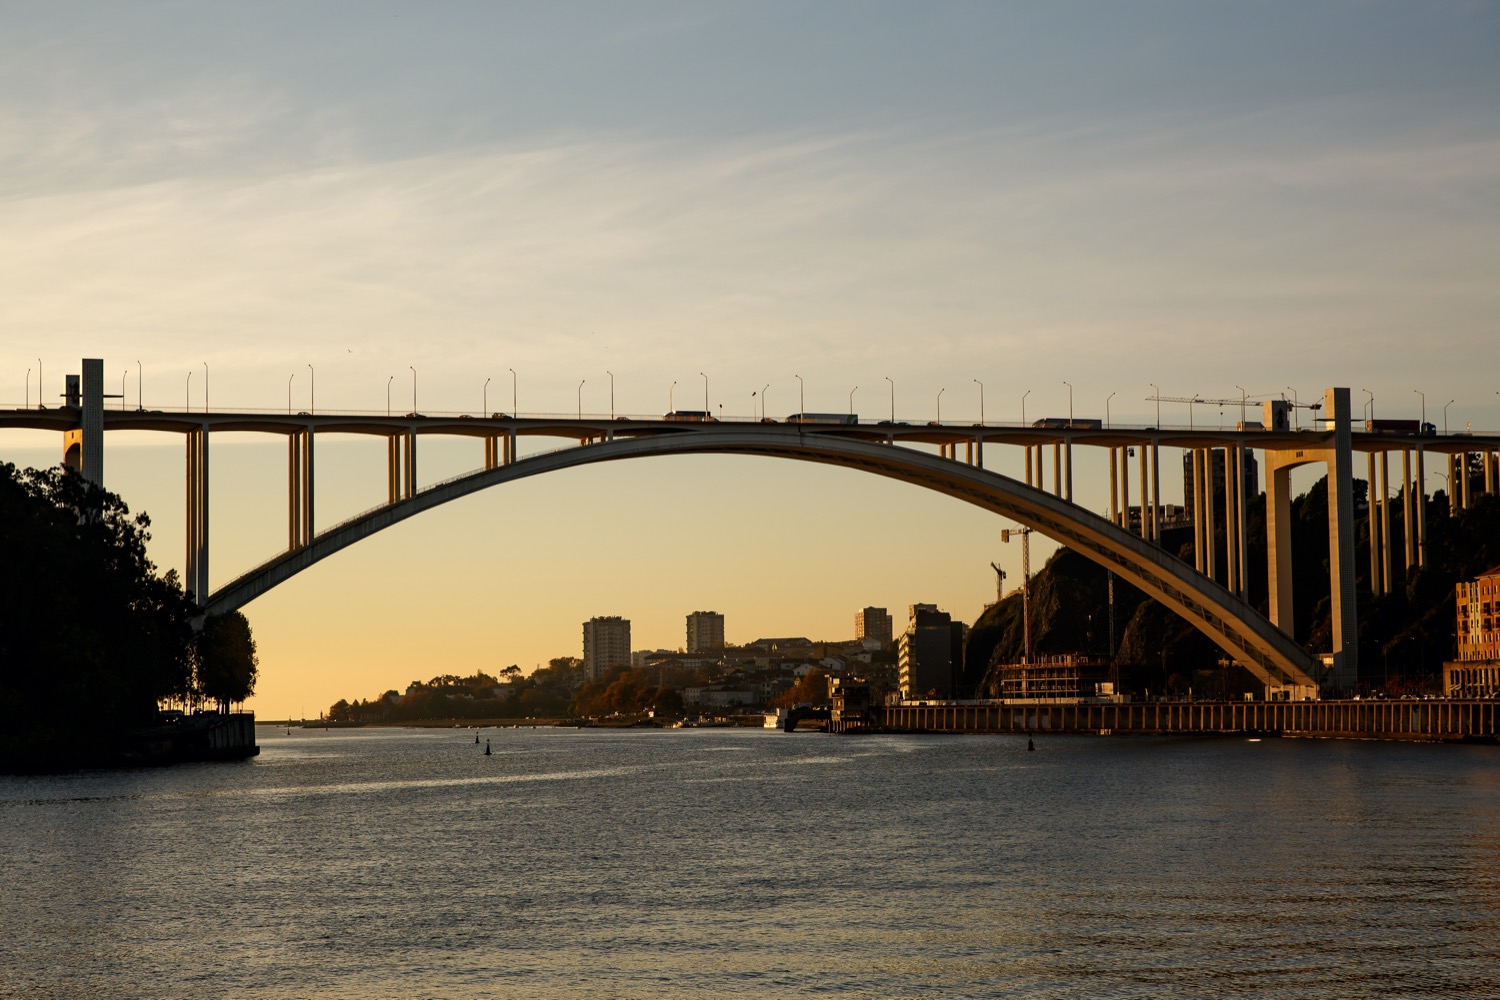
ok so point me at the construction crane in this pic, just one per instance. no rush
(1025, 534)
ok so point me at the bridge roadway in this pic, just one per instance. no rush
(892, 448)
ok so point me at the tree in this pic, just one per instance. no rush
(226, 659)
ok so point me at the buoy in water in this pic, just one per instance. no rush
(1030, 745)
(476, 739)
(486, 748)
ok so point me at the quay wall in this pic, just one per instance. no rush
(1435, 720)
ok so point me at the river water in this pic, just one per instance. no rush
(728, 863)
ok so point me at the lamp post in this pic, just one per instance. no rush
(801, 398)
(940, 403)
(763, 400)
(122, 385)
(1023, 406)
(41, 397)
(851, 400)
(1070, 401)
(1369, 405)
(1243, 396)
(484, 399)
(580, 397)
(513, 411)
(312, 390)
(388, 394)
(1158, 403)
(187, 393)
(1445, 417)
(611, 394)
(752, 404)
(1106, 408)
(140, 380)
(893, 398)
(413, 388)
(981, 400)
(205, 387)
(289, 391)
(705, 396)
(671, 407)
(28, 388)
(1421, 427)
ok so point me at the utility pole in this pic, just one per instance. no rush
(1025, 534)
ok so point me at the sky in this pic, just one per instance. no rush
(890, 200)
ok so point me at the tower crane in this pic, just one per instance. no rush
(1025, 534)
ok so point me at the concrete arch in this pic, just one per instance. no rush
(1232, 623)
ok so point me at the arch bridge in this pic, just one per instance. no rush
(1127, 541)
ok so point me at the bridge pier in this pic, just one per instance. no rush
(1421, 508)
(195, 577)
(299, 479)
(1408, 536)
(1155, 492)
(1372, 524)
(1385, 524)
(1233, 500)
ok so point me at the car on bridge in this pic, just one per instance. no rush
(692, 416)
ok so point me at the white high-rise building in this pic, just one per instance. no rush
(705, 631)
(606, 643)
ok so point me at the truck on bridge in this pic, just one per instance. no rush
(1388, 426)
(822, 418)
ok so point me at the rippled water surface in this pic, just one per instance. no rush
(718, 863)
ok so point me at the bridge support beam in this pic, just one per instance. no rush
(195, 576)
(1341, 541)
(1200, 562)
(1279, 544)
(1385, 524)
(1210, 522)
(1421, 508)
(1155, 491)
(1114, 487)
(1408, 535)
(299, 480)
(1372, 524)
(1232, 502)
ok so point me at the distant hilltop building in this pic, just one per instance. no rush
(1476, 671)
(873, 623)
(705, 631)
(606, 643)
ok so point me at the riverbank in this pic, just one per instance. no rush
(58, 748)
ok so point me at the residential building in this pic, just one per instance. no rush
(1475, 673)
(873, 623)
(606, 643)
(705, 631)
(930, 653)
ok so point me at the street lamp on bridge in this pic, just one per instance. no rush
(1422, 427)
(312, 390)
(1369, 405)
(611, 394)
(289, 391)
(851, 400)
(140, 380)
(671, 407)
(1070, 401)
(981, 400)
(513, 411)
(413, 388)
(893, 398)
(187, 393)
(940, 403)
(484, 399)
(763, 400)
(1445, 417)
(1106, 408)
(123, 374)
(388, 394)
(205, 388)
(801, 398)
(705, 396)
(580, 397)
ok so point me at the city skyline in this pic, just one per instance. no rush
(946, 208)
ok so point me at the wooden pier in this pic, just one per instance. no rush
(1430, 720)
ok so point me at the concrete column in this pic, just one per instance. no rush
(1421, 508)
(1068, 473)
(1279, 544)
(1057, 468)
(1141, 465)
(1463, 477)
(510, 447)
(293, 491)
(491, 451)
(1408, 522)
(195, 575)
(1231, 519)
(308, 480)
(1199, 562)
(1385, 524)
(1125, 488)
(392, 469)
(1341, 540)
(1210, 522)
(1489, 463)
(1028, 466)
(1155, 491)
(1373, 522)
(1114, 489)
(1241, 543)
(409, 443)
